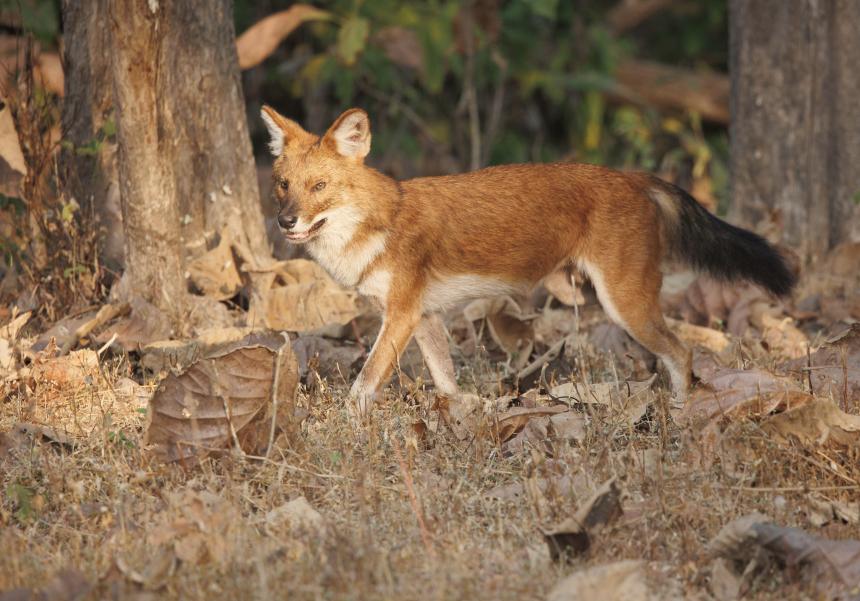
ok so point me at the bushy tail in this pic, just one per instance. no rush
(710, 245)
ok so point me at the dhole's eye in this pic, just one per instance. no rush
(284, 185)
(318, 186)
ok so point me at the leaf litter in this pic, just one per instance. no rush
(523, 459)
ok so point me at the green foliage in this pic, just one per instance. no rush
(539, 71)
(39, 17)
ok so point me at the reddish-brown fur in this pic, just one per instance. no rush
(512, 225)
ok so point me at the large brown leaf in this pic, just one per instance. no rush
(224, 397)
(832, 567)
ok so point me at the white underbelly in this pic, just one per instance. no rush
(449, 291)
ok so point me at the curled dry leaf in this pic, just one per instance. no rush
(512, 421)
(731, 390)
(572, 537)
(261, 39)
(224, 398)
(815, 422)
(305, 298)
(834, 369)
(624, 399)
(214, 272)
(823, 510)
(709, 338)
(509, 326)
(832, 567)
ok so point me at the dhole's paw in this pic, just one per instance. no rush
(360, 403)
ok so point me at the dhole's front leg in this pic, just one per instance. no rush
(398, 324)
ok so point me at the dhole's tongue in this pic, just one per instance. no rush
(302, 236)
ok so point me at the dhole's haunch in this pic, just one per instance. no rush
(423, 245)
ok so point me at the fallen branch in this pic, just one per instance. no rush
(104, 315)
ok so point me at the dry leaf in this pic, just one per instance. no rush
(817, 422)
(511, 422)
(569, 426)
(328, 359)
(214, 273)
(823, 510)
(626, 400)
(299, 516)
(10, 148)
(572, 537)
(309, 300)
(832, 567)
(833, 370)
(261, 39)
(713, 340)
(11, 330)
(780, 335)
(509, 326)
(197, 526)
(222, 398)
(729, 388)
(75, 370)
(620, 581)
(67, 585)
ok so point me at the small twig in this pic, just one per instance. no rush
(107, 344)
(413, 499)
(104, 315)
(276, 384)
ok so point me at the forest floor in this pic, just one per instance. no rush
(468, 499)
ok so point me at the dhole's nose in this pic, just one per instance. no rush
(287, 222)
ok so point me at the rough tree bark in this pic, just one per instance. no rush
(150, 205)
(795, 129)
(169, 73)
(200, 90)
(90, 177)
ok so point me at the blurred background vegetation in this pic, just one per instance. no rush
(533, 82)
(458, 85)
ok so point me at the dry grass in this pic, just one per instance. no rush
(100, 506)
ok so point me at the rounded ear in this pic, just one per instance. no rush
(283, 131)
(349, 135)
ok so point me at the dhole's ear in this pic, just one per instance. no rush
(282, 130)
(349, 135)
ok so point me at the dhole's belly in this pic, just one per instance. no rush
(451, 290)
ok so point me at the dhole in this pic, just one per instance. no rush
(423, 245)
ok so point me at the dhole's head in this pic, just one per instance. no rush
(315, 177)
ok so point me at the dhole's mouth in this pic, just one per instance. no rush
(307, 234)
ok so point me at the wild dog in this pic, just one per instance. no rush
(423, 245)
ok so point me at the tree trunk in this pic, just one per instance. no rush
(795, 129)
(146, 140)
(88, 164)
(169, 73)
(201, 92)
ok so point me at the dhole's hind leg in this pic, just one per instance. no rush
(432, 339)
(631, 299)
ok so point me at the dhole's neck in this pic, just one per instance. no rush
(385, 194)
